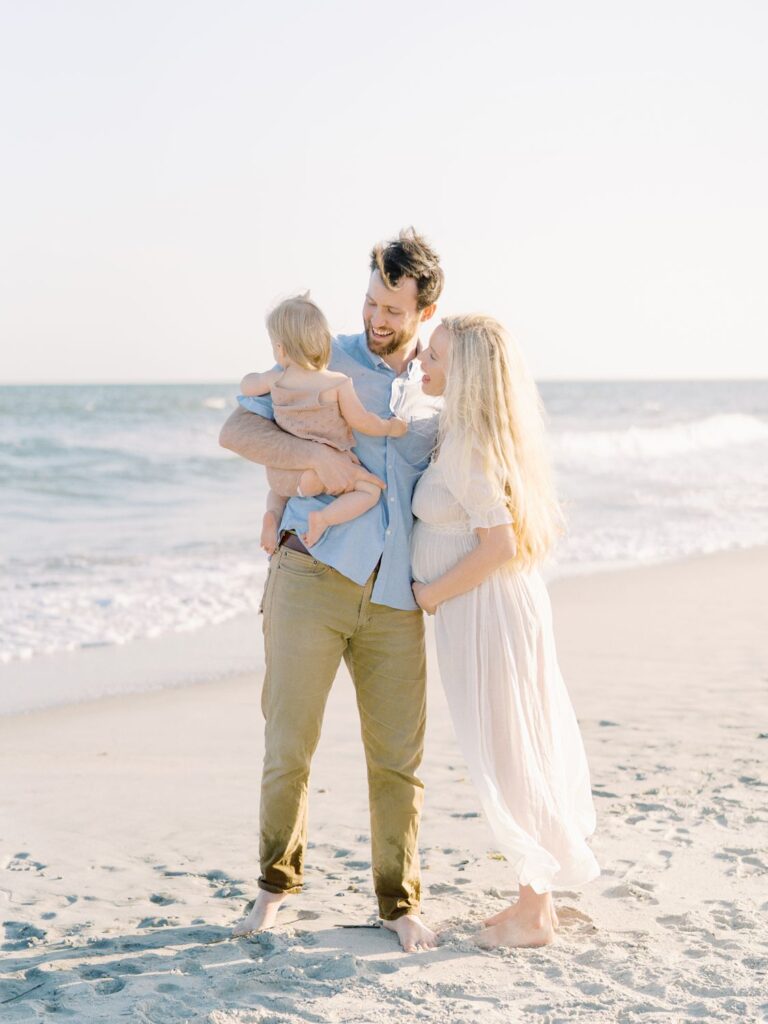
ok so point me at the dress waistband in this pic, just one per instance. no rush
(457, 529)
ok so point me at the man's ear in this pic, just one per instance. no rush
(428, 312)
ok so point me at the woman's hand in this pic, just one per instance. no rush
(423, 598)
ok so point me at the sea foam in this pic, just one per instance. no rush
(710, 433)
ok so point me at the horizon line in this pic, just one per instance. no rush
(223, 382)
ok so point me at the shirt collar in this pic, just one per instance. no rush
(378, 363)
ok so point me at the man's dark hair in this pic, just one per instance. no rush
(409, 255)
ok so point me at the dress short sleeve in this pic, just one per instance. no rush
(478, 494)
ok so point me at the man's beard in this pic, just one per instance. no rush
(397, 341)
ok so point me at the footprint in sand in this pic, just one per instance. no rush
(228, 892)
(573, 920)
(663, 858)
(443, 889)
(619, 868)
(109, 987)
(639, 891)
(726, 915)
(22, 862)
(93, 973)
(21, 934)
(161, 899)
(217, 876)
(333, 967)
(744, 861)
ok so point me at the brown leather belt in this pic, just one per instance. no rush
(292, 542)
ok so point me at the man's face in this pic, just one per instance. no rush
(390, 315)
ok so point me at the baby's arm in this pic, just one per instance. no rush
(358, 417)
(258, 383)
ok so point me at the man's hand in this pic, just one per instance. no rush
(340, 471)
(424, 598)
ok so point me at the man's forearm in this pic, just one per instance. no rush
(260, 440)
(283, 481)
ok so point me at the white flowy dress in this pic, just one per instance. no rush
(511, 711)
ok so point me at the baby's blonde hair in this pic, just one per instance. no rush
(492, 404)
(300, 327)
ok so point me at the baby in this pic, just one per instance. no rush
(315, 403)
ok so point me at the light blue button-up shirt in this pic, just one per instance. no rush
(384, 531)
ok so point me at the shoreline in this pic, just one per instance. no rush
(212, 653)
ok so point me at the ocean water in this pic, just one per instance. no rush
(123, 520)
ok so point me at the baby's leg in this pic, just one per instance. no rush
(345, 507)
(310, 484)
(271, 522)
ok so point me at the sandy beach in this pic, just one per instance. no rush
(128, 840)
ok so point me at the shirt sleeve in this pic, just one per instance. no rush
(261, 405)
(478, 494)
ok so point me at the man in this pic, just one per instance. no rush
(351, 597)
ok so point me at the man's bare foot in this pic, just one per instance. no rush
(269, 527)
(263, 914)
(315, 529)
(412, 933)
(517, 930)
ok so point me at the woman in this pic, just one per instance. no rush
(486, 517)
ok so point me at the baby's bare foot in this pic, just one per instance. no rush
(269, 527)
(412, 933)
(263, 914)
(315, 529)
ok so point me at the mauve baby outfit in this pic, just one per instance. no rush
(301, 412)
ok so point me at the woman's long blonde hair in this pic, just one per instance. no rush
(492, 405)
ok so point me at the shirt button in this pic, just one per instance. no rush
(388, 532)
(391, 501)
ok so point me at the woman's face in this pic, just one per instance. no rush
(434, 362)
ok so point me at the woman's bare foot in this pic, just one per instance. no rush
(315, 529)
(510, 911)
(529, 922)
(518, 931)
(269, 526)
(412, 933)
(263, 914)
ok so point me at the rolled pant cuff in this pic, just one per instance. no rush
(394, 915)
(268, 887)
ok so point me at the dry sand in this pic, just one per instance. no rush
(128, 841)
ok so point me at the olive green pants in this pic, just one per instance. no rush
(314, 616)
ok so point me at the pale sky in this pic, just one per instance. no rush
(592, 173)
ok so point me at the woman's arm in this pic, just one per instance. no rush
(358, 417)
(255, 384)
(497, 546)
